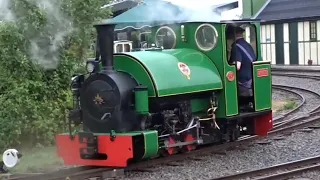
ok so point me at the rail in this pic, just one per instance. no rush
(285, 170)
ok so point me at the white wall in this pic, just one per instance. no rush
(308, 50)
(267, 40)
(286, 44)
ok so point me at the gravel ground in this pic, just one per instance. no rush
(281, 95)
(310, 84)
(299, 145)
(302, 73)
(302, 145)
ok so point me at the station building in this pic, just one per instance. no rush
(290, 31)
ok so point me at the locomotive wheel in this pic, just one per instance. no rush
(189, 138)
(170, 150)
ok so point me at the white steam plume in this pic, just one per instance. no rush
(5, 13)
(203, 10)
(189, 10)
(47, 53)
(44, 50)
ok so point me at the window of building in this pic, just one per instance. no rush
(313, 30)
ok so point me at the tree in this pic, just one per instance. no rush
(41, 45)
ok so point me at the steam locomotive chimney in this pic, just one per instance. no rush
(105, 42)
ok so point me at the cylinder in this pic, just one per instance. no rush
(105, 42)
(141, 100)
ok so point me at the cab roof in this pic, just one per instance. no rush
(155, 13)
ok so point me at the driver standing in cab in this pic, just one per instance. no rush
(242, 55)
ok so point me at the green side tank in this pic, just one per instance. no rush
(170, 72)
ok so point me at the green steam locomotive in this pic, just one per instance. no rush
(169, 98)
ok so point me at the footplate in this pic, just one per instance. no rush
(87, 149)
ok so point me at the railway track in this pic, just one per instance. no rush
(283, 120)
(287, 114)
(277, 172)
(81, 173)
(290, 115)
(282, 125)
(304, 100)
(308, 75)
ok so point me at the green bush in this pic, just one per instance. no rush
(35, 83)
(34, 101)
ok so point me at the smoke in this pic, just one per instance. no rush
(44, 50)
(197, 10)
(204, 10)
(5, 13)
(45, 47)
(186, 10)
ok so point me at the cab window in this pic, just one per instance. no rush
(249, 34)
(144, 38)
(166, 38)
(206, 37)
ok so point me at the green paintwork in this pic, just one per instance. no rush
(230, 88)
(151, 145)
(198, 105)
(141, 101)
(294, 44)
(258, 34)
(143, 66)
(251, 7)
(134, 68)
(216, 59)
(262, 87)
(279, 44)
(228, 98)
(168, 79)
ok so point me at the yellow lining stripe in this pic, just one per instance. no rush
(191, 92)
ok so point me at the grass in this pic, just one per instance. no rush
(283, 105)
(290, 105)
(37, 160)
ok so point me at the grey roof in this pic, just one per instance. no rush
(118, 5)
(289, 9)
